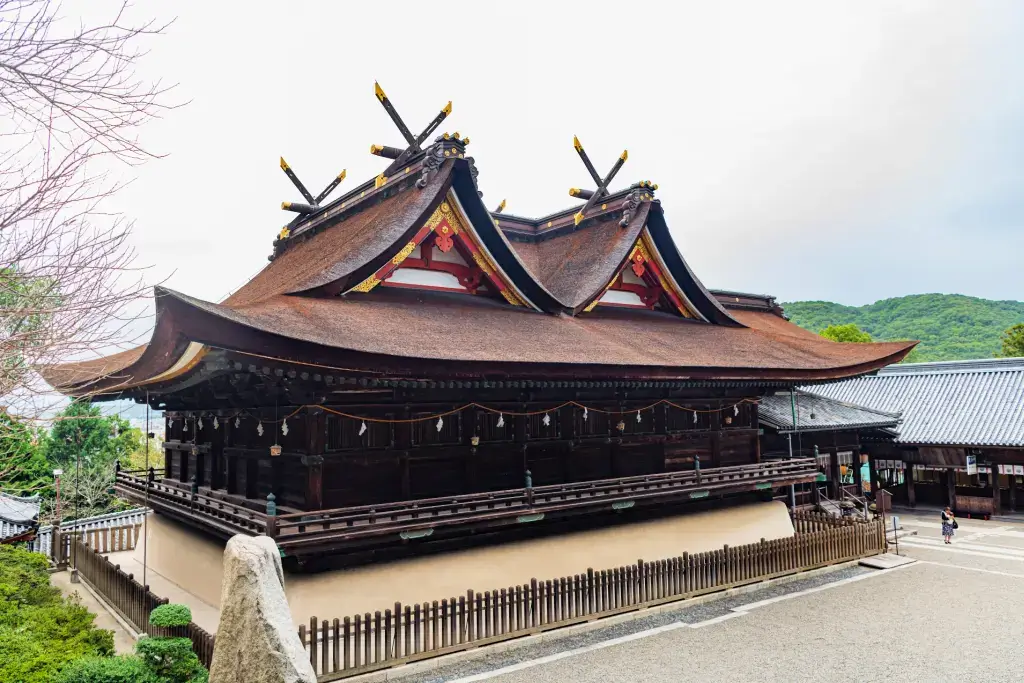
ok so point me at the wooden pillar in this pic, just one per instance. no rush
(855, 464)
(252, 473)
(950, 475)
(168, 453)
(997, 502)
(834, 473)
(314, 481)
(911, 492)
(1012, 478)
(183, 469)
(716, 434)
(316, 446)
(216, 458)
(757, 440)
(470, 476)
(406, 483)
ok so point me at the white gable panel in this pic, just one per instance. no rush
(425, 278)
(620, 298)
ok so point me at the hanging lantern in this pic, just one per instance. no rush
(621, 426)
(284, 426)
(474, 440)
(362, 429)
(440, 423)
(216, 423)
(275, 450)
(546, 420)
(259, 427)
(501, 421)
(584, 413)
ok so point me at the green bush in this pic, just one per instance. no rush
(170, 616)
(171, 659)
(41, 632)
(107, 670)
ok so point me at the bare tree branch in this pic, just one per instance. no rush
(71, 106)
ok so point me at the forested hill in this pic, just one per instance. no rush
(949, 326)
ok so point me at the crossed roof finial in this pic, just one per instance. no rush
(414, 143)
(602, 184)
(314, 202)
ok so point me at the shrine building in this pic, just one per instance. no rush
(412, 366)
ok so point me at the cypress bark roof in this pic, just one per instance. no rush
(314, 300)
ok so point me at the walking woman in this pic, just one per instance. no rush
(949, 525)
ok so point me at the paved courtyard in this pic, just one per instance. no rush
(954, 615)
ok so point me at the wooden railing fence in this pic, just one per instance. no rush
(102, 540)
(340, 648)
(131, 600)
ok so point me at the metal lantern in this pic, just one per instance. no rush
(275, 450)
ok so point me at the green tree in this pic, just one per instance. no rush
(23, 466)
(949, 326)
(846, 333)
(82, 430)
(1013, 342)
(86, 444)
(41, 632)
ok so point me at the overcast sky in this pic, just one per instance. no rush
(847, 151)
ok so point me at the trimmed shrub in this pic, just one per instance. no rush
(170, 616)
(107, 670)
(171, 659)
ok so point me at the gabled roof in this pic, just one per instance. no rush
(954, 403)
(318, 300)
(576, 265)
(17, 514)
(815, 413)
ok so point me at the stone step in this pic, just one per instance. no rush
(886, 561)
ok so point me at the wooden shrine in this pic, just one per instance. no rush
(412, 366)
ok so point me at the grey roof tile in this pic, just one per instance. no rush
(958, 403)
(815, 413)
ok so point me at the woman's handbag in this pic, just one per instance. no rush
(955, 525)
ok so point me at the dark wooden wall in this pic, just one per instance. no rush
(326, 462)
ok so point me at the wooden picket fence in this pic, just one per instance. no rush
(130, 599)
(102, 540)
(341, 648)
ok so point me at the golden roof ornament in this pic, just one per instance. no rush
(602, 183)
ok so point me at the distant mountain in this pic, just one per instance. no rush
(949, 326)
